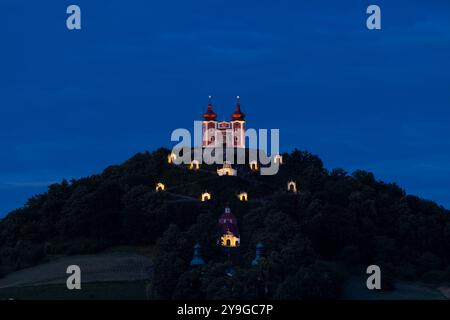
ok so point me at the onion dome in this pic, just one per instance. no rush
(197, 260)
(258, 257)
(228, 222)
(238, 115)
(210, 114)
(227, 217)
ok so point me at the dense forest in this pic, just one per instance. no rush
(336, 225)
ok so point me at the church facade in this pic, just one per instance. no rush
(229, 237)
(229, 134)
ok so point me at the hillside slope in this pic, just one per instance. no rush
(336, 222)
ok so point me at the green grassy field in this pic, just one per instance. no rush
(135, 290)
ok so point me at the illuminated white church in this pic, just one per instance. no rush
(229, 134)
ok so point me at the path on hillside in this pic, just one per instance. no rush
(191, 183)
(246, 177)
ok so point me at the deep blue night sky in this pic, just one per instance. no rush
(74, 102)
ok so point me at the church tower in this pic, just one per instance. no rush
(229, 237)
(231, 134)
(238, 126)
(209, 127)
(197, 260)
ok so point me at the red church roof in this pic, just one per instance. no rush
(210, 114)
(238, 115)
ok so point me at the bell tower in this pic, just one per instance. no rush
(238, 126)
(231, 134)
(209, 126)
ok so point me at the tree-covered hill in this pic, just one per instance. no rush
(336, 225)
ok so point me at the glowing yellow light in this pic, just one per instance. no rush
(278, 159)
(206, 196)
(160, 187)
(229, 240)
(243, 196)
(253, 165)
(292, 186)
(226, 170)
(194, 165)
(171, 158)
